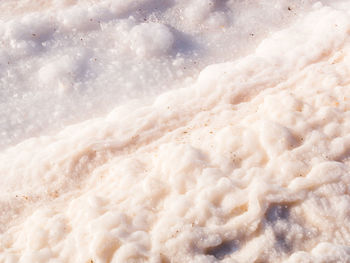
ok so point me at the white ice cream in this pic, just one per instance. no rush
(248, 162)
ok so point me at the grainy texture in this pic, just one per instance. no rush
(250, 163)
(67, 61)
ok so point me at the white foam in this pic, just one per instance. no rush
(247, 162)
(143, 48)
(151, 39)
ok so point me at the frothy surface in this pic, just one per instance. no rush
(248, 162)
(65, 61)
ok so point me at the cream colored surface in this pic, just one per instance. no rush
(249, 164)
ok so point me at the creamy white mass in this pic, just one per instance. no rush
(65, 61)
(249, 163)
